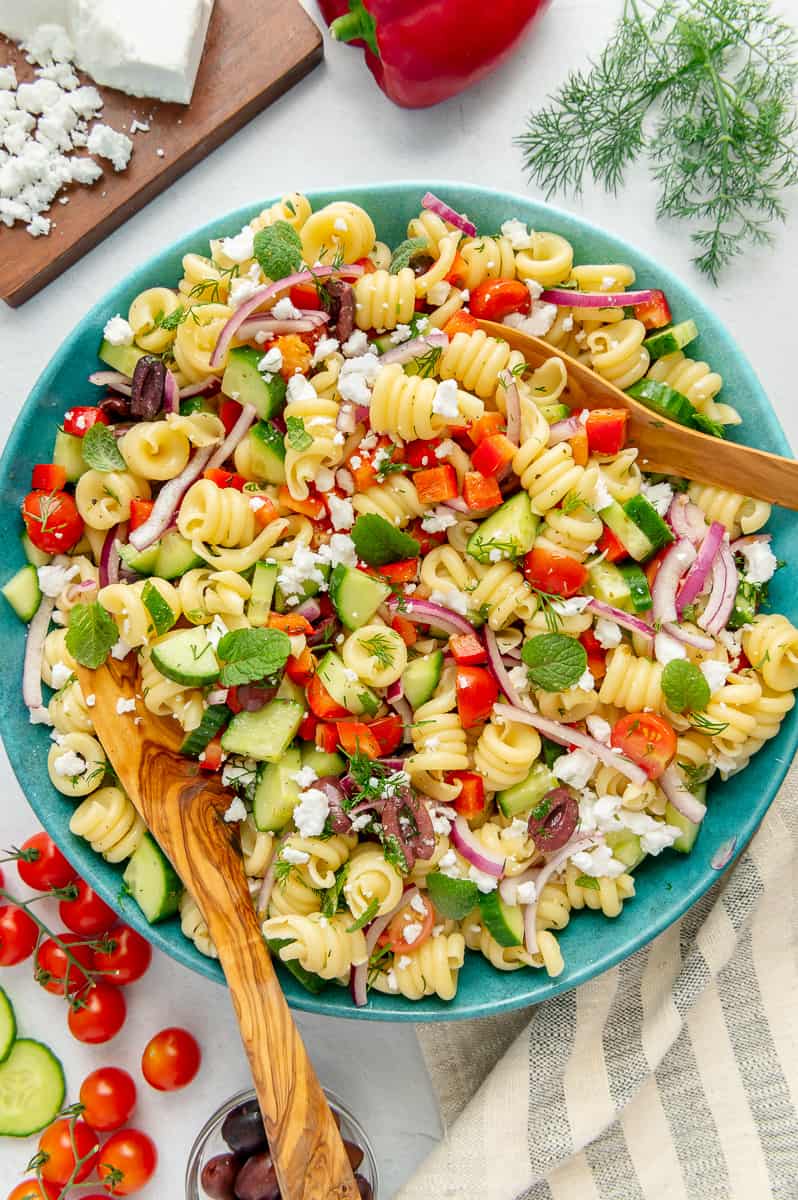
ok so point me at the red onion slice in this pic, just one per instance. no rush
(471, 849)
(673, 566)
(551, 867)
(498, 669)
(696, 577)
(688, 637)
(109, 555)
(249, 414)
(267, 887)
(32, 668)
(750, 540)
(561, 431)
(564, 298)
(513, 400)
(205, 387)
(624, 619)
(460, 221)
(112, 379)
(686, 519)
(359, 978)
(407, 351)
(682, 800)
(171, 394)
(725, 578)
(569, 735)
(426, 612)
(168, 499)
(273, 326)
(310, 609)
(723, 855)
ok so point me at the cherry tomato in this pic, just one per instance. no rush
(87, 914)
(18, 934)
(497, 298)
(461, 322)
(127, 957)
(53, 967)
(306, 296)
(647, 739)
(128, 1161)
(108, 1096)
(394, 935)
(56, 1144)
(557, 574)
(30, 1189)
(477, 692)
(52, 521)
(170, 1060)
(100, 1015)
(48, 868)
(229, 413)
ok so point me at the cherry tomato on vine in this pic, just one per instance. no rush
(100, 1015)
(30, 1189)
(108, 1096)
(170, 1060)
(18, 934)
(48, 868)
(87, 914)
(56, 1145)
(53, 966)
(128, 1161)
(127, 958)
(52, 521)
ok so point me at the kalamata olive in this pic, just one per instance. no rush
(421, 263)
(340, 821)
(116, 408)
(243, 1129)
(149, 379)
(406, 817)
(355, 1154)
(219, 1175)
(257, 1179)
(342, 308)
(554, 820)
(364, 1187)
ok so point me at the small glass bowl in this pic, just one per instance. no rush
(209, 1142)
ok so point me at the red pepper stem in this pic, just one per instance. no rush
(358, 24)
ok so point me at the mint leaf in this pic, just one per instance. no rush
(453, 899)
(378, 542)
(100, 450)
(556, 662)
(365, 918)
(406, 252)
(684, 687)
(252, 654)
(91, 634)
(296, 436)
(278, 249)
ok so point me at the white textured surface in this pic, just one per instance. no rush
(336, 128)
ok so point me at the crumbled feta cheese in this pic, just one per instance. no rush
(342, 514)
(598, 863)
(602, 497)
(300, 390)
(256, 502)
(444, 402)
(715, 673)
(517, 234)
(139, 127)
(659, 495)
(412, 932)
(118, 331)
(356, 344)
(571, 607)
(668, 649)
(120, 649)
(449, 865)
(216, 630)
(361, 821)
(599, 729)
(442, 816)
(485, 883)
(304, 777)
(608, 633)
(526, 893)
(69, 764)
(340, 225)
(85, 171)
(418, 905)
(760, 562)
(537, 323)
(732, 642)
(390, 979)
(237, 811)
(297, 858)
(439, 293)
(350, 675)
(404, 962)
(438, 521)
(568, 324)
(454, 599)
(125, 706)
(238, 249)
(357, 377)
(108, 143)
(53, 578)
(304, 568)
(340, 550)
(519, 678)
(345, 481)
(575, 768)
(402, 333)
(272, 362)
(585, 682)
(285, 310)
(324, 348)
(311, 812)
(8, 79)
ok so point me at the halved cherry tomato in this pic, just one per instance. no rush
(467, 649)
(140, 511)
(406, 629)
(471, 801)
(43, 865)
(108, 1096)
(477, 692)
(307, 728)
(489, 423)
(79, 420)
(125, 956)
(436, 485)
(421, 453)
(291, 623)
(579, 448)
(321, 702)
(326, 738)
(52, 521)
(497, 298)
(557, 574)
(409, 916)
(405, 571)
(388, 732)
(656, 312)
(612, 549)
(356, 738)
(606, 430)
(171, 1060)
(53, 967)
(314, 507)
(18, 935)
(596, 654)
(458, 273)
(87, 914)
(649, 740)
(653, 565)
(461, 322)
(47, 477)
(128, 1161)
(492, 454)
(306, 295)
(479, 492)
(368, 265)
(224, 479)
(426, 541)
(300, 669)
(229, 412)
(57, 1146)
(212, 754)
(98, 1015)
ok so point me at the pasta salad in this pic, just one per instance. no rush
(462, 664)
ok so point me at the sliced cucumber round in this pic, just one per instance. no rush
(32, 1089)
(187, 657)
(8, 1026)
(452, 898)
(422, 677)
(504, 922)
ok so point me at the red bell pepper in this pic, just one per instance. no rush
(229, 412)
(471, 801)
(479, 492)
(487, 425)
(79, 420)
(436, 485)
(405, 571)
(224, 479)
(609, 545)
(357, 738)
(422, 454)
(493, 454)
(308, 727)
(47, 477)
(212, 755)
(654, 313)
(327, 738)
(554, 573)
(467, 650)
(579, 448)
(300, 669)
(314, 507)
(140, 512)
(606, 430)
(596, 654)
(388, 732)
(422, 53)
(291, 623)
(321, 702)
(406, 629)
(477, 692)
(461, 322)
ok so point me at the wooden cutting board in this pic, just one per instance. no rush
(255, 51)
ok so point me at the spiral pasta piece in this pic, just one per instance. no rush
(194, 926)
(195, 341)
(439, 739)
(371, 878)
(103, 498)
(771, 646)
(697, 382)
(607, 781)
(502, 958)
(219, 516)
(257, 848)
(503, 593)
(203, 594)
(325, 856)
(403, 406)
(607, 897)
(575, 532)
(632, 683)
(163, 696)
(501, 836)
(396, 500)
(486, 258)
(125, 603)
(573, 705)
(155, 450)
(145, 315)
(109, 823)
(618, 352)
(620, 474)
(431, 227)
(548, 261)
(432, 970)
(76, 764)
(291, 894)
(320, 944)
(383, 301)
(69, 711)
(505, 753)
(339, 230)
(475, 361)
(325, 450)
(740, 514)
(294, 209)
(730, 708)
(377, 654)
(55, 652)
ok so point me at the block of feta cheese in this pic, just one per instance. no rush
(19, 19)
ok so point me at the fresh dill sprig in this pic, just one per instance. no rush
(547, 603)
(380, 648)
(706, 725)
(695, 774)
(704, 90)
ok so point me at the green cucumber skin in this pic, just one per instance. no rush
(179, 658)
(421, 678)
(68, 453)
(352, 695)
(23, 593)
(513, 524)
(504, 923)
(120, 358)
(264, 735)
(523, 797)
(276, 793)
(661, 398)
(35, 556)
(647, 519)
(669, 341)
(45, 1096)
(631, 537)
(356, 596)
(243, 381)
(8, 1026)
(609, 584)
(152, 881)
(639, 591)
(214, 718)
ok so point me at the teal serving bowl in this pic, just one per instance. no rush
(666, 886)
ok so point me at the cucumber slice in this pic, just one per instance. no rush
(267, 452)
(120, 358)
(453, 898)
(32, 1089)
(175, 557)
(264, 735)
(421, 678)
(310, 982)
(504, 922)
(152, 881)
(163, 617)
(243, 381)
(8, 1026)
(143, 562)
(288, 690)
(68, 453)
(510, 530)
(356, 596)
(646, 518)
(309, 588)
(662, 399)
(351, 694)
(264, 580)
(384, 343)
(627, 532)
(608, 584)
(668, 341)
(639, 591)
(626, 847)
(555, 412)
(33, 554)
(187, 657)
(277, 793)
(194, 404)
(23, 592)
(214, 718)
(322, 763)
(690, 830)
(524, 796)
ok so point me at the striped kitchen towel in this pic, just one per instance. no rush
(674, 1076)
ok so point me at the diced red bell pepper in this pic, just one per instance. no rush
(458, 272)
(427, 541)
(229, 412)
(488, 424)
(609, 545)
(405, 571)
(301, 669)
(477, 692)
(47, 477)
(606, 430)
(212, 755)
(654, 313)
(492, 454)
(79, 420)
(314, 507)
(368, 265)
(232, 701)
(140, 511)
(305, 295)
(579, 448)
(321, 702)
(307, 728)
(291, 623)
(265, 512)
(422, 453)
(652, 567)
(471, 801)
(224, 479)
(436, 485)
(596, 654)
(357, 738)
(467, 649)
(461, 322)
(480, 492)
(497, 298)
(406, 629)
(327, 738)
(388, 733)
(556, 574)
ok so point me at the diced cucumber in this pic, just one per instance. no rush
(288, 690)
(243, 381)
(264, 580)
(647, 519)
(194, 404)
(626, 847)
(32, 1089)
(35, 556)
(152, 881)
(309, 588)
(310, 982)
(8, 1026)
(668, 341)
(321, 762)
(453, 898)
(175, 556)
(276, 792)
(143, 562)
(504, 922)
(267, 452)
(608, 584)
(23, 593)
(68, 453)
(524, 796)
(421, 678)
(511, 530)
(120, 358)
(690, 830)
(639, 590)
(351, 694)
(555, 412)
(356, 596)
(384, 342)
(264, 735)
(627, 532)
(187, 657)
(214, 718)
(662, 399)
(163, 616)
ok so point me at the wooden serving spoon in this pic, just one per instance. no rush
(184, 811)
(666, 447)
